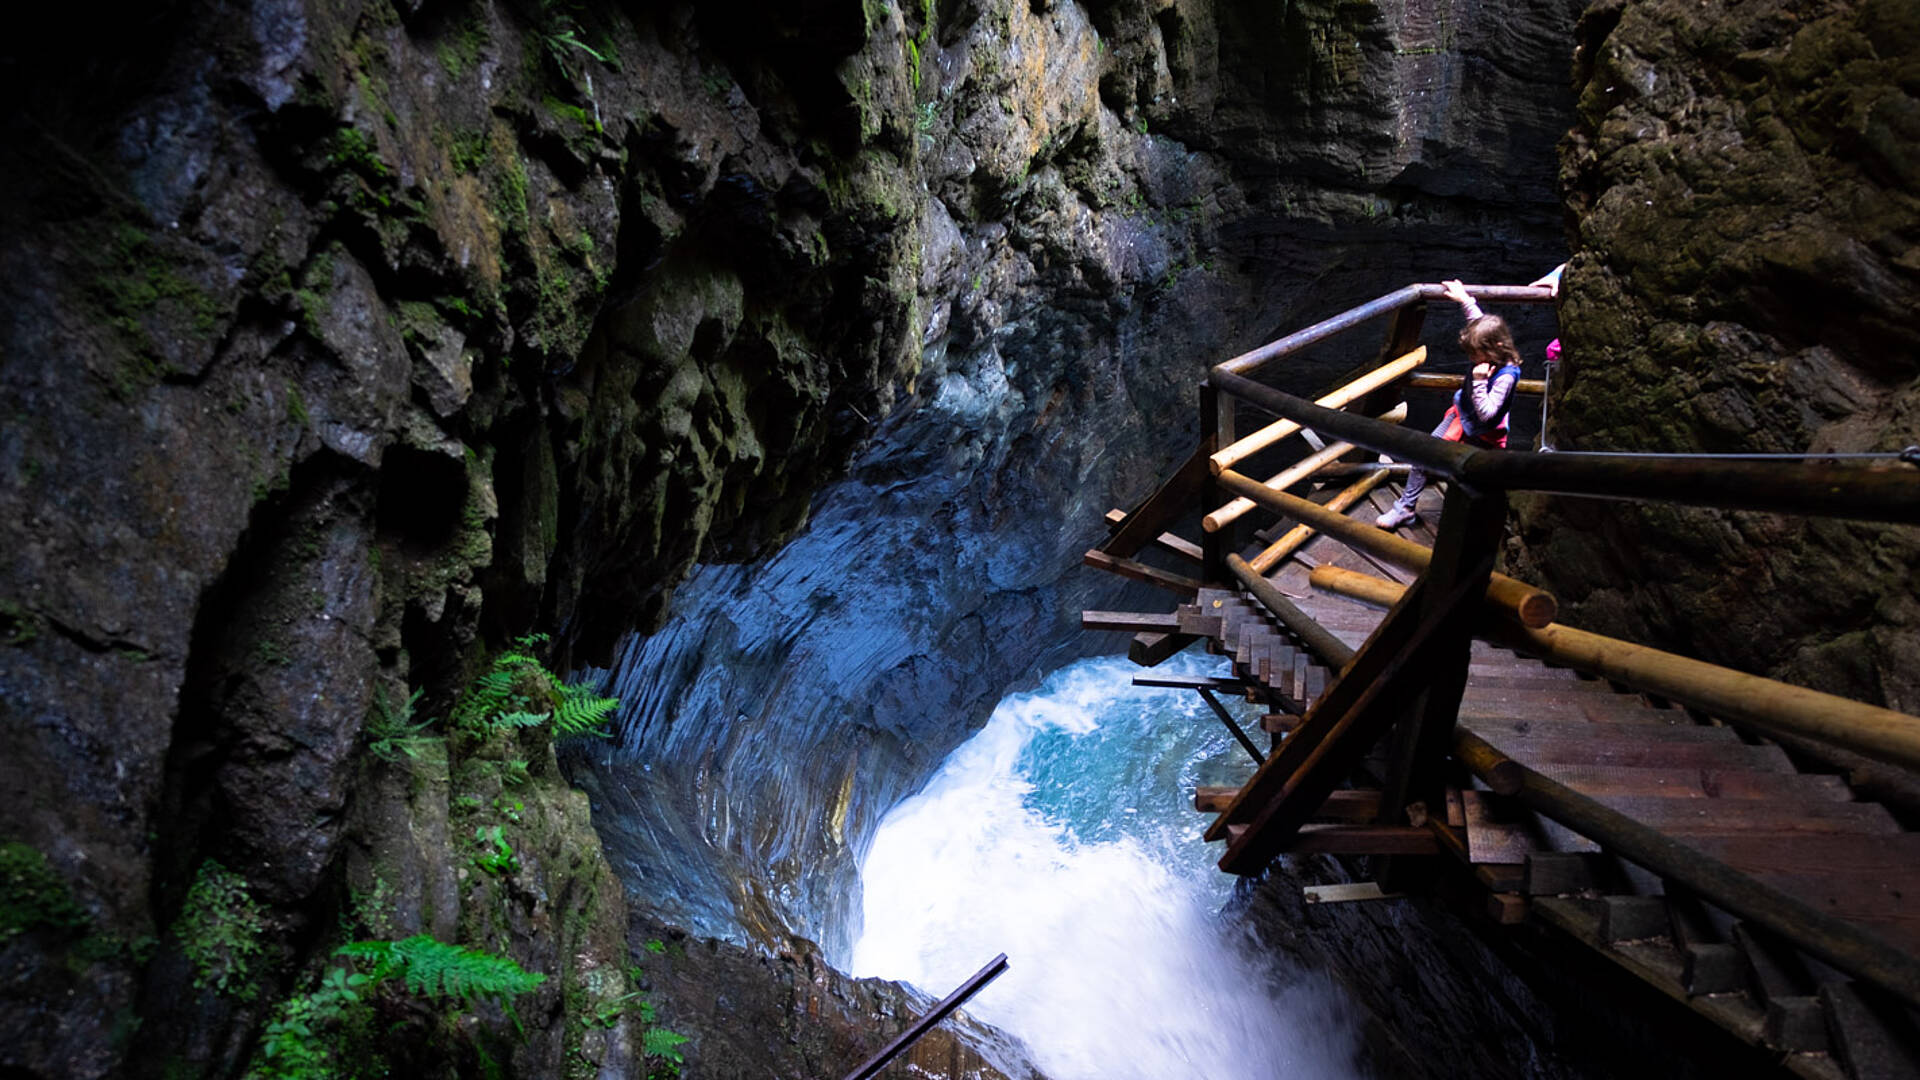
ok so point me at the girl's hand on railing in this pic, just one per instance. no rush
(1456, 290)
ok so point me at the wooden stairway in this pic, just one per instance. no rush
(1728, 795)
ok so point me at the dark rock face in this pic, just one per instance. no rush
(816, 1021)
(343, 341)
(1743, 183)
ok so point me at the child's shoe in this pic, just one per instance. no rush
(1396, 517)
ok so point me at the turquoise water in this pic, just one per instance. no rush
(1063, 834)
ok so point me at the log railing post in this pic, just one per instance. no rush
(1471, 527)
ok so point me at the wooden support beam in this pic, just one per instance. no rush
(1166, 541)
(1770, 706)
(1396, 661)
(1528, 605)
(1153, 649)
(1346, 893)
(1165, 506)
(1464, 551)
(1297, 537)
(1362, 840)
(1131, 621)
(1141, 572)
(1231, 455)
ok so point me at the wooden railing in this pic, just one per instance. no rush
(1405, 682)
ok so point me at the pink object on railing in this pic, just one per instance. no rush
(1553, 350)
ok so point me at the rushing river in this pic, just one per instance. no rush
(1062, 834)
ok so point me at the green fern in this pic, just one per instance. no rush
(520, 719)
(661, 1043)
(581, 712)
(435, 969)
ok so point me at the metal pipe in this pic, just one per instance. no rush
(1833, 940)
(926, 1023)
(1232, 725)
(1866, 494)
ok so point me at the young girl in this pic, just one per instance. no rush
(1478, 414)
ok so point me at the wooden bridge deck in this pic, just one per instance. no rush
(1746, 881)
(1737, 798)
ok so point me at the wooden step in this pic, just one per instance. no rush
(1683, 816)
(1707, 783)
(1132, 621)
(1495, 727)
(1651, 753)
(1566, 705)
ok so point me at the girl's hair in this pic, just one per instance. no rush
(1489, 334)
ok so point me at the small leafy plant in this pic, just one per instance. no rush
(517, 691)
(495, 855)
(220, 928)
(301, 1041)
(392, 734)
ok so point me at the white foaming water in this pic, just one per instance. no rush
(1059, 836)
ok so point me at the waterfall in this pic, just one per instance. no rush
(1062, 834)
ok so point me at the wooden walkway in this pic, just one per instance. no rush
(1664, 830)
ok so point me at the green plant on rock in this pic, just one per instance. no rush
(391, 733)
(32, 896)
(220, 929)
(517, 691)
(495, 855)
(435, 969)
(303, 1040)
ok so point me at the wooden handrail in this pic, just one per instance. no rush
(1232, 454)
(1838, 942)
(1434, 380)
(1248, 362)
(1864, 493)
(1297, 536)
(1293, 474)
(1524, 603)
(1765, 704)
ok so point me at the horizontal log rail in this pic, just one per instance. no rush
(1527, 604)
(1297, 537)
(1832, 939)
(1234, 453)
(1303, 469)
(1248, 362)
(1434, 380)
(1863, 492)
(1771, 707)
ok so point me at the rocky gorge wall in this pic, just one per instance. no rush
(1743, 182)
(345, 341)
(1194, 195)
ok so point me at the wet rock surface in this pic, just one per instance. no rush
(1114, 200)
(1743, 281)
(343, 342)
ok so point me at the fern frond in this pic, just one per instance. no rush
(493, 692)
(581, 712)
(519, 719)
(435, 969)
(661, 1043)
